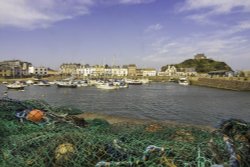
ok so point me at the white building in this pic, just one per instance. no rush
(170, 71)
(149, 72)
(121, 72)
(38, 71)
(89, 71)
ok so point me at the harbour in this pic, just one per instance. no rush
(155, 101)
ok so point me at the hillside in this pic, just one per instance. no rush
(201, 66)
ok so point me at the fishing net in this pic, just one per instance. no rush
(63, 140)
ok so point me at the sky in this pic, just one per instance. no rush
(149, 33)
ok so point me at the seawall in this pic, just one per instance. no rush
(222, 83)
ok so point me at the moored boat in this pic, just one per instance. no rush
(107, 86)
(43, 83)
(16, 85)
(133, 82)
(68, 84)
(183, 81)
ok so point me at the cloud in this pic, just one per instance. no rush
(135, 1)
(227, 48)
(217, 6)
(202, 11)
(41, 13)
(155, 27)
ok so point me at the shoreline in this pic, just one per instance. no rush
(113, 119)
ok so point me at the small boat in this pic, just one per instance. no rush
(107, 86)
(144, 81)
(4, 82)
(16, 85)
(43, 83)
(133, 82)
(123, 85)
(64, 84)
(29, 82)
(81, 83)
(183, 81)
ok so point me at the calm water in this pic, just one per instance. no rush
(157, 101)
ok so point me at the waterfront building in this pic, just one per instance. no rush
(5, 71)
(69, 68)
(80, 70)
(117, 71)
(132, 70)
(88, 71)
(107, 71)
(15, 68)
(149, 72)
(38, 71)
(98, 70)
(171, 71)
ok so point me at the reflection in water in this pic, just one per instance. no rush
(158, 101)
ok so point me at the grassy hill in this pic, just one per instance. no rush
(201, 66)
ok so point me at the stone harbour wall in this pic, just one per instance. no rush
(222, 83)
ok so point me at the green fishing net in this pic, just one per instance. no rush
(65, 140)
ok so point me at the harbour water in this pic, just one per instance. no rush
(156, 101)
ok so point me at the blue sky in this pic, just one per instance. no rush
(150, 33)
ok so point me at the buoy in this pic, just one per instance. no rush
(35, 115)
(64, 151)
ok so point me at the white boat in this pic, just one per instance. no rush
(183, 81)
(133, 82)
(4, 82)
(67, 84)
(81, 83)
(16, 85)
(43, 83)
(107, 86)
(29, 82)
(144, 81)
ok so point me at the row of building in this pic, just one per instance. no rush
(19, 69)
(105, 70)
(125, 70)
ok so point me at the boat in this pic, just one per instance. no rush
(81, 83)
(133, 82)
(68, 84)
(4, 82)
(183, 81)
(16, 85)
(43, 83)
(107, 86)
(144, 81)
(29, 82)
(123, 85)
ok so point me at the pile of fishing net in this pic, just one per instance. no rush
(63, 140)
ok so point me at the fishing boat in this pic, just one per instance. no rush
(133, 82)
(68, 84)
(107, 86)
(16, 85)
(183, 81)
